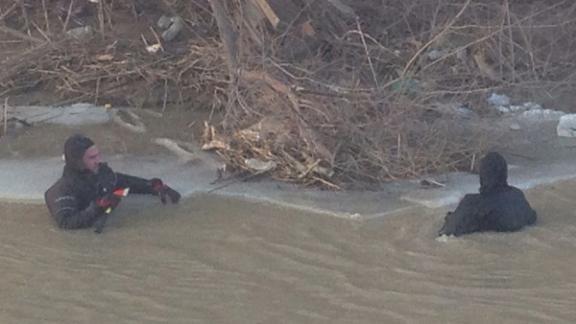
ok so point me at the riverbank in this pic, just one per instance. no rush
(31, 161)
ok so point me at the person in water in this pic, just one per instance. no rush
(86, 191)
(498, 207)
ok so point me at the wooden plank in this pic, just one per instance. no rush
(267, 11)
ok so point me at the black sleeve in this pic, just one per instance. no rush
(63, 207)
(136, 184)
(467, 218)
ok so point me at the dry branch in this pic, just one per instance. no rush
(268, 12)
(228, 35)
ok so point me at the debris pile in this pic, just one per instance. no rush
(335, 93)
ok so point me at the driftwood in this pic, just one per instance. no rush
(179, 148)
(134, 122)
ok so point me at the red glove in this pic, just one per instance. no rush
(111, 200)
(108, 202)
(163, 190)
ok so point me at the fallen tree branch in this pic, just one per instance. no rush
(228, 35)
(20, 35)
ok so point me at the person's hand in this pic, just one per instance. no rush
(164, 191)
(108, 202)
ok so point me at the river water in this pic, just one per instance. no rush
(214, 260)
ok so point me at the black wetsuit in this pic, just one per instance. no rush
(498, 207)
(72, 199)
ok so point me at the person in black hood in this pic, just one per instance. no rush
(84, 195)
(498, 207)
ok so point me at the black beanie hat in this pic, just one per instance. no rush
(493, 173)
(74, 149)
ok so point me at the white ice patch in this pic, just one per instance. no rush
(498, 100)
(526, 112)
(76, 114)
(567, 126)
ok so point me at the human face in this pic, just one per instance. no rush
(92, 159)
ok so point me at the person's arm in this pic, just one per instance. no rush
(111, 181)
(136, 184)
(467, 218)
(115, 180)
(153, 186)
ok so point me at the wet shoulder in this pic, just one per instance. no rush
(514, 192)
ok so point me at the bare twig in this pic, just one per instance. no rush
(5, 116)
(9, 10)
(367, 52)
(25, 15)
(435, 38)
(68, 15)
(101, 21)
(165, 99)
(46, 20)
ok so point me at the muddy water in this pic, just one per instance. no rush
(210, 260)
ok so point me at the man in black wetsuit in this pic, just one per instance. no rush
(498, 207)
(84, 195)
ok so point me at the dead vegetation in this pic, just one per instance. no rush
(333, 92)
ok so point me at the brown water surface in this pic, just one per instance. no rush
(212, 260)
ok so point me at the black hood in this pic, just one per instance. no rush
(493, 173)
(74, 149)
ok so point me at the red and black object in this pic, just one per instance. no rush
(162, 190)
(108, 203)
